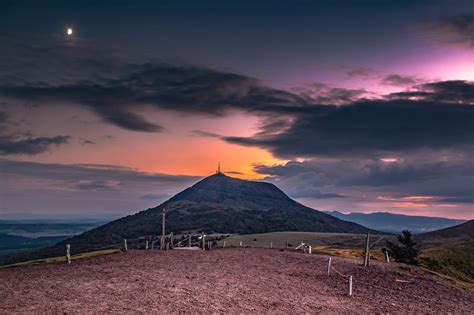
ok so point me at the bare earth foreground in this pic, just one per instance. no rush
(224, 280)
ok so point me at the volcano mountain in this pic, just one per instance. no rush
(216, 204)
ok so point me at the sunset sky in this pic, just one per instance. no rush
(355, 106)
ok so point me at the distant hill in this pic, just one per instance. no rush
(455, 234)
(218, 204)
(395, 223)
(11, 245)
(19, 242)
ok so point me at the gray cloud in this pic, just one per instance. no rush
(436, 174)
(399, 80)
(117, 89)
(352, 71)
(458, 92)
(10, 145)
(96, 185)
(370, 128)
(320, 93)
(456, 29)
(82, 189)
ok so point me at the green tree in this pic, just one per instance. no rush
(407, 252)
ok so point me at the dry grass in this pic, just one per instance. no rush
(62, 259)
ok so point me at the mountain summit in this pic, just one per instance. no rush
(219, 204)
(237, 193)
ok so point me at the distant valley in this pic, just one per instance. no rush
(25, 235)
(395, 223)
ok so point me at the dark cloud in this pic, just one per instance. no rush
(352, 71)
(96, 185)
(118, 90)
(399, 80)
(457, 91)
(457, 29)
(3, 117)
(320, 93)
(82, 189)
(202, 133)
(86, 172)
(441, 176)
(10, 145)
(370, 128)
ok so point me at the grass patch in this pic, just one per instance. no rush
(453, 260)
(62, 259)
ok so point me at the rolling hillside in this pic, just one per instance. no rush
(395, 223)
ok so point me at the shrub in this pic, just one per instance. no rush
(407, 252)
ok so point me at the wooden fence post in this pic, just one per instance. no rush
(329, 266)
(203, 242)
(350, 285)
(68, 253)
(163, 228)
(367, 254)
(125, 244)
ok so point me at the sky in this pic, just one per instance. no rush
(354, 106)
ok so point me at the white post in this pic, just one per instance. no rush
(271, 244)
(350, 285)
(146, 245)
(329, 266)
(387, 258)
(223, 245)
(240, 244)
(68, 253)
(309, 249)
(125, 245)
(203, 242)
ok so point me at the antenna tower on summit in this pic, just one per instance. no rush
(218, 168)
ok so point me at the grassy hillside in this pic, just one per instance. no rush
(279, 239)
(453, 235)
(454, 260)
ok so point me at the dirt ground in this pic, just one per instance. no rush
(224, 280)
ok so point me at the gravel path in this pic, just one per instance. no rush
(225, 280)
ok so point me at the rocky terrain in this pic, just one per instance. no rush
(225, 280)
